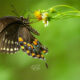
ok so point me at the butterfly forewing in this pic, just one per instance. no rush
(5, 21)
(9, 39)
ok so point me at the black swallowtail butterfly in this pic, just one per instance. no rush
(16, 33)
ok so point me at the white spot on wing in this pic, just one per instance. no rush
(4, 48)
(16, 43)
(11, 49)
(6, 32)
(3, 39)
(7, 49)
(9, 42)
(12, 42)
(6, 41)
(15, 49)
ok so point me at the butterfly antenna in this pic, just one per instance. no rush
(14, 10)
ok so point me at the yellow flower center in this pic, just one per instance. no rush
(38, 15)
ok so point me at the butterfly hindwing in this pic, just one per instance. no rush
(30, 44)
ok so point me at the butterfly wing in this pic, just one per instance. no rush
(32, 30)
(30, 44)
(5, 21)
(13, 35)
(9, 39)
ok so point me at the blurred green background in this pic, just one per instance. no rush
(62, 38)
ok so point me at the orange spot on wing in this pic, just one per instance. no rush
(44, 51)
(28, 51)
(42, 56)
(28, 44)
(31, 46)
(38, 56)
(20, 39)
(33, 54)
(24, 43)
(22, 47)
(35, 43)
(36, 40)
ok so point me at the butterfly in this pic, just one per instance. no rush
(17, 33)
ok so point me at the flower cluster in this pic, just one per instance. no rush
(53, 13)
(38, 15)
(44, 16)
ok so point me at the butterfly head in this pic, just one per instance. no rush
(25, 20)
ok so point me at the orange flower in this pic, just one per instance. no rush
(38, 15)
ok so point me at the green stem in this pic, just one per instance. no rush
(66, 14)
(71, 12)
(65, 6)
(57, 6)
